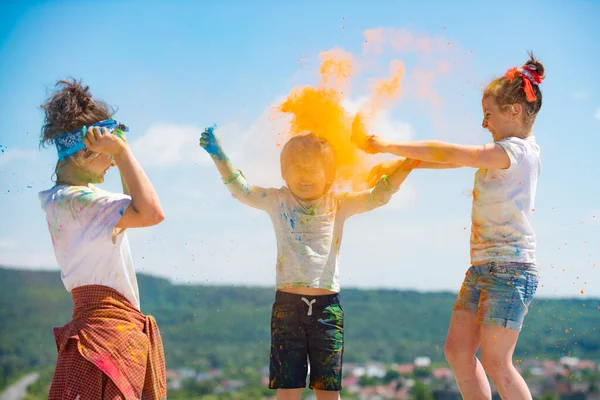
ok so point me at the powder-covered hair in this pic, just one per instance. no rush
(507, 91)
(71, 107)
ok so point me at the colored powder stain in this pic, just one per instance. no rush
(319, 110)
(28, 186)
(292, 223)
(108, 367)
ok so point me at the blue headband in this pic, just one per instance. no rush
(70, 143)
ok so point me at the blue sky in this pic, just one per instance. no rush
(174, 68)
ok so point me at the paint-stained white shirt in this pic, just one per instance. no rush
(503, 205)
(81, 220)
(309, 233)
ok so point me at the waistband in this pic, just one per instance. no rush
(498, 266)
(317, 301)
(91, 299)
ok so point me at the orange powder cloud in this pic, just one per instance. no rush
(319, 110)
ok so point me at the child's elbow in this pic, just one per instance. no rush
(155, 217)
(159, 216)
(381, 200)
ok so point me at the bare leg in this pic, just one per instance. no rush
(497, 348)
(327, 395)
(289, 394)
(460, 350)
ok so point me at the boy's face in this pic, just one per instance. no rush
(305, 175)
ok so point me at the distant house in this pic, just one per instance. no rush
(422, 362)
(173, 379)
(442, 373)
(404, 369)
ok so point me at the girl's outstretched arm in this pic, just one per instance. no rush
(253, 196)
(489, 156)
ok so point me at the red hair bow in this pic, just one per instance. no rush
(530, 76)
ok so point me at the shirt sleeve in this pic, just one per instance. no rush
(515, 149)
(254, 196)
(359, 202)
(98, 211)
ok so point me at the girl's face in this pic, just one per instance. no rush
(501, 123)
(91, 167)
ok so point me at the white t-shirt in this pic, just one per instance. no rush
(503, 204)
(309, 233)
(81, 220)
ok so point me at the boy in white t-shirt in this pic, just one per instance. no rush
(503, 278)
(307, 319)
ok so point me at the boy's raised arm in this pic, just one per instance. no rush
(387, 167)
(381, 193)
(253, 196)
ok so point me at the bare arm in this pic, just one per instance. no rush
(490, 156)
(381, 193)
(145, 208)
(486, 156)
(253, 196)
(387, 167)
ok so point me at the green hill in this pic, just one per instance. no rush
(228, 327)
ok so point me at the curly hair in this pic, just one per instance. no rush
(69, 108)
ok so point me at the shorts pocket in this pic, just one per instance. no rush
(333, 315)
(532, 282)
(283, 316)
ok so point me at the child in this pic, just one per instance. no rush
(503, 278)
(109, 350)
(307, 318)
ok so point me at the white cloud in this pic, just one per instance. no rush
(7, 243)
(581, 95)
(382, 124)
(15, 154)
(598, 114)
(24, 258)
(169, 145)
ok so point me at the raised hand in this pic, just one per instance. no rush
(366, 143)
(210, 142)
(103, 141)
(384, 168)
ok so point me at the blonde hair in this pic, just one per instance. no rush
(507, 91)
(310, 144)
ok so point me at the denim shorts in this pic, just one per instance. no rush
(499, 292)
(306, 328)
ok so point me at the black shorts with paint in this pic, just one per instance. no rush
(306, 328)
